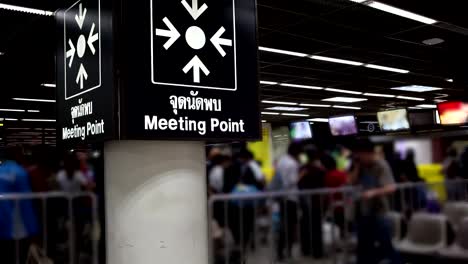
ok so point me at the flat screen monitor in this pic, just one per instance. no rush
(394, 120)
(343, 125)
(453, 113)
(423, 118)
(300, 130)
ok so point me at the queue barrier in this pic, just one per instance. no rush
(68, 229)
(319, 226)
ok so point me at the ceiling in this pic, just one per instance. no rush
(340, 29)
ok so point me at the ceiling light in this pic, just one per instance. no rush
(349, 62)
(410, 98)
(33, 111)
(318, 120)
(385, 68)
(380, 95)
(11, 119)
(278, 102)
(26, 10)
(286, 108)
(301, 86)
(417, 88)
(285, 52)
(2, 53)
(427, 106)
(270, 113)
(347, 107)
(264, 121)
(415, 108)
(449, 80)
(38, 120)
(11, 110)
(433, 41)
(268, 83)
(35, 100)
(50, 85)
(342, 91)
(439, 100)
(292, 114)
(314, 105)
(344, 99)
(401, 12)
(358, 1)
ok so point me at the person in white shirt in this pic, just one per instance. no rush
(70, 178)
(287, 171)
(216, 174)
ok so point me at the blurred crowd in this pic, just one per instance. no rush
(362, 165)
(39, 170)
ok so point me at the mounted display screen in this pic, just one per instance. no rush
(343, 126)
(453, 113)
(300, 130)
(394, 120)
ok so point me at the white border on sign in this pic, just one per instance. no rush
(65, 51)
(189, 85)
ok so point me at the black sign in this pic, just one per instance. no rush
(84, 72)
(189, 69)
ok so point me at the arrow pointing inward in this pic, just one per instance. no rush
(193, 10)
(71, 53)
(92, 38)
(172, 33)
(196, 64)
(81, 76)
(218, 41)
(80, 17)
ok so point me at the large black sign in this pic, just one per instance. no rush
(189, 69)
(85, 89)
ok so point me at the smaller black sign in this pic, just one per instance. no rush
(84, 86)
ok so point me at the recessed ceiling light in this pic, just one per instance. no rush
(345, 99)
(35, 100)
(270, 113)
(278, 102)
(264, 121)
(318, 120)
(400, 12)
(301, 86)
(433, 41)
(417, 88)
(385, 68)
(449, 80)
(268, 83)
(33, 111)
(380, 95)
(342, 91)
(410, 98)
(439, 100)
(347, 107)
(286, 108)
(285, 52)
(427, 106)
(358, 1)
(12, 110)
(26, 10)
(38, 120)
(349, 62)
(293, 114)
(50, 85)
(315, 105)
(11, 119)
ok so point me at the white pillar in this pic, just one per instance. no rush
(156, 206)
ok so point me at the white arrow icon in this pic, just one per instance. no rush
(218, 41)
(71, 53)
(172, 33)
(80, 17)
(81, 76)
(193, 10)
(196, 64)
(92, 38)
